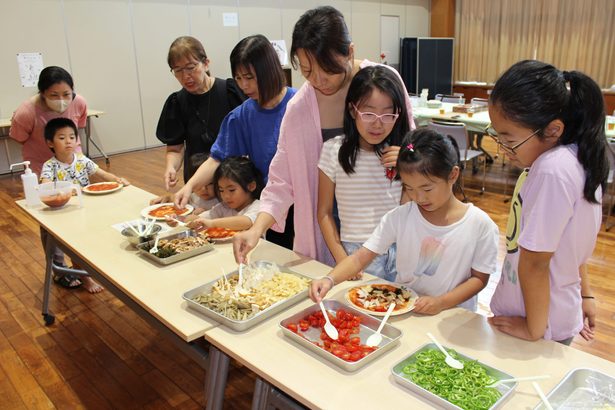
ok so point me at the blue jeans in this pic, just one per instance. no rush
(382, 266)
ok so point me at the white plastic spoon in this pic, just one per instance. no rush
(330, 330)
(376, 338)
(518, 379)
(542, 396)
(454, 363)
(155, 248)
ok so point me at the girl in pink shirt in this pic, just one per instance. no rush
(552, 123)
(56, 98)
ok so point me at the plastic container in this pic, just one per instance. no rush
(30, 184)
(57, 194)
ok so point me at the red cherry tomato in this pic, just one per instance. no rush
(292, 327)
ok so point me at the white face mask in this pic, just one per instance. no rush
(58, 105)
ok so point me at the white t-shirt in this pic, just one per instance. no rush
(364, 196)
(433, 260)
(221, 210)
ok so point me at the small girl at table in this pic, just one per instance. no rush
(446, 249)
(238, 185)
(352, 171)
(551, 122)
(68, 165)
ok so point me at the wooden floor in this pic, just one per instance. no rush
(99, 354)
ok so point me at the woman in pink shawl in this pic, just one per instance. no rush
(321, 49)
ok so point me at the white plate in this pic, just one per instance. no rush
(145, 211)
(396, 312)
(108, 191)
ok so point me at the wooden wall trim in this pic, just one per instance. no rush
(442, 18)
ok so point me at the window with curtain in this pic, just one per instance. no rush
(491, 35)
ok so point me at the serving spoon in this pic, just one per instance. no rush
(154, 249)
(454, 363)
(376, 338)
(518, 379)
(330, 330)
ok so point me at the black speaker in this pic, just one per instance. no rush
(427, 62)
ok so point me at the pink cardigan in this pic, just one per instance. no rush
(293, 173)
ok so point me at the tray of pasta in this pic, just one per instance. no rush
(266, 290)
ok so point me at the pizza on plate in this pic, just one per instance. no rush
(101, 187)
(219, 233)
(166, 210)
(378, 297)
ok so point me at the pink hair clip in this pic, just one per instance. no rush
(410, 147)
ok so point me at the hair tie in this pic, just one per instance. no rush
(566, 75)
(410, 147)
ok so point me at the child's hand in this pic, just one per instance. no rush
(389, 156)
(589, 319)
(122, 181)
(199, 224)
(358, 276)
(428, 305)
(512, 325)
(319, 288)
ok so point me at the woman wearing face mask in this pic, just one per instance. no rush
(322, 50)
(55, 98)
(191, 117)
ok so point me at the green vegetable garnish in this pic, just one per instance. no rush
(464, 388)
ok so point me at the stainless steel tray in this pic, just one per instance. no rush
(582, 389)
(397, 370)
(144, 249)
(369, 324)
(241, 325)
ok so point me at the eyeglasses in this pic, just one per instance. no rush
(489, 130)
(370, 117)
(189, 69)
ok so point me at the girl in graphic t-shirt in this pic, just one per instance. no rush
(351, 168)
(551, 122)
(445, 249)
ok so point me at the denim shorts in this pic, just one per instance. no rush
(382, 266)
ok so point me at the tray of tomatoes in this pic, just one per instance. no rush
(349, 351)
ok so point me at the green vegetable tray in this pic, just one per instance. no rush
(400, 377)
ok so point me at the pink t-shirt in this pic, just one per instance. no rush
(28, 125)
(554, 217)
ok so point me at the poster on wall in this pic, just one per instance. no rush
(30, 66)
(280, 49)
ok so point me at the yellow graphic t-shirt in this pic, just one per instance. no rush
(514, 217)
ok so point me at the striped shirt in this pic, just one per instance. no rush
(362, 197)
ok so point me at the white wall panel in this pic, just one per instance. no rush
(366, 29)
(102, 54)
(156, 24)
(206, 24)
(44, 32)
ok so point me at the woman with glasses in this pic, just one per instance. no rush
(322, 50)
(253, 128)
(551, 123)
(191, 117)
(351, 172)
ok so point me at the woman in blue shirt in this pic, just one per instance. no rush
(252, 129)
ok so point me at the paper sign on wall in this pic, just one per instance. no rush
(230, 19)
(30, 65)
(280, 48)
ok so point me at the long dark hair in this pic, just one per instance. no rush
(361, 87)
(323, 34)
(430, 154)
(257, 52)
(243, 172)
(533, 94)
